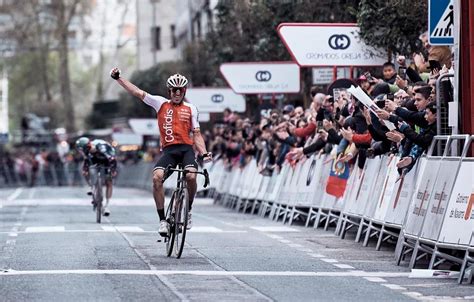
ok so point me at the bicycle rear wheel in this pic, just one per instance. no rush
(170, 217)
(182, 209)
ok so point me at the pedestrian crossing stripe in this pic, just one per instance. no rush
(441, 22)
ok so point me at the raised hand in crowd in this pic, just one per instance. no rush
(383, 114)
(401, 60)
(347, 134)
(404, 162)
(323, 135)
(390, 106)
(328, 125)
(395, 136)
(401, 83)
(296, 153)
(368, 118)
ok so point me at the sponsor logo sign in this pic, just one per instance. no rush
(211, 99)
(325, 44)
(262, 77)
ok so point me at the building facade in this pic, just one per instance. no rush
(156, 32)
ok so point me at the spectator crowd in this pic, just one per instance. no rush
(405, 99)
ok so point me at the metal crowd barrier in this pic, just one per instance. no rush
(430, 210)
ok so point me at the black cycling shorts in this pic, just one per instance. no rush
(177, 154)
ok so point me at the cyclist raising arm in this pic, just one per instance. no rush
(176, 120)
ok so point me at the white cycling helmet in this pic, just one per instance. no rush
(177, 81)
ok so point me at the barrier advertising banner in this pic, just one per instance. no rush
(328, 44)
(263, 77)
(439, 198)
(215, 99)
(421, 197)
(400, 200)
(458, 225)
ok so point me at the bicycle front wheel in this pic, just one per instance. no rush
(170, 217)
(181, 223)
(98, 197)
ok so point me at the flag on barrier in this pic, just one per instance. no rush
(338, 177)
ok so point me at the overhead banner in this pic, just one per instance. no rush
(328, 44)
(265, 77)
(215, 99)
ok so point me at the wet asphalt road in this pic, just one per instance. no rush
(52, 249)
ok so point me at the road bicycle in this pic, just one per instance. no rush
(178, 209)
(97, 191)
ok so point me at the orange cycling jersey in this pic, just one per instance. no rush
(175, 121)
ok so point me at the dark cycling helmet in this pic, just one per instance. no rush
(82, 143)
(177, 81)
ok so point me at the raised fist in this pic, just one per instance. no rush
(115, 73)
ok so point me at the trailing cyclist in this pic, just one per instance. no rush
(100, 153)
(177, 120)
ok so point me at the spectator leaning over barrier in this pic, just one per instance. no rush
(421, 140)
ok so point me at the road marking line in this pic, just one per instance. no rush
(275, 229)
(394, 286)
(328, 260)
(32, 192)
(12, 234)
(112, 230)
(414, 295)
(108, 228)
(316, 255)
(274, 236)
(44, 229)
(15, 194)
(305, 250)
(205, 229)
(284, 241)
(129, 229)
(344, 266)
(208, 273)
(375, 279)
(296, 245)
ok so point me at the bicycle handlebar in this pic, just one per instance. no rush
(184, 171)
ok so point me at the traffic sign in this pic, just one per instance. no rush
(215, 99)
(328, 44)
(441, 22)
(262, 77)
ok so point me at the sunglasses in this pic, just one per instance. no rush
(176, 89)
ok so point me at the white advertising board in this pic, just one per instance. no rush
(421, 197)
(367, 191)
(264, 77)
(458, 225)
(215, 99)
(439, 198)
(388, 187)
(401, 197)
(328, 44)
